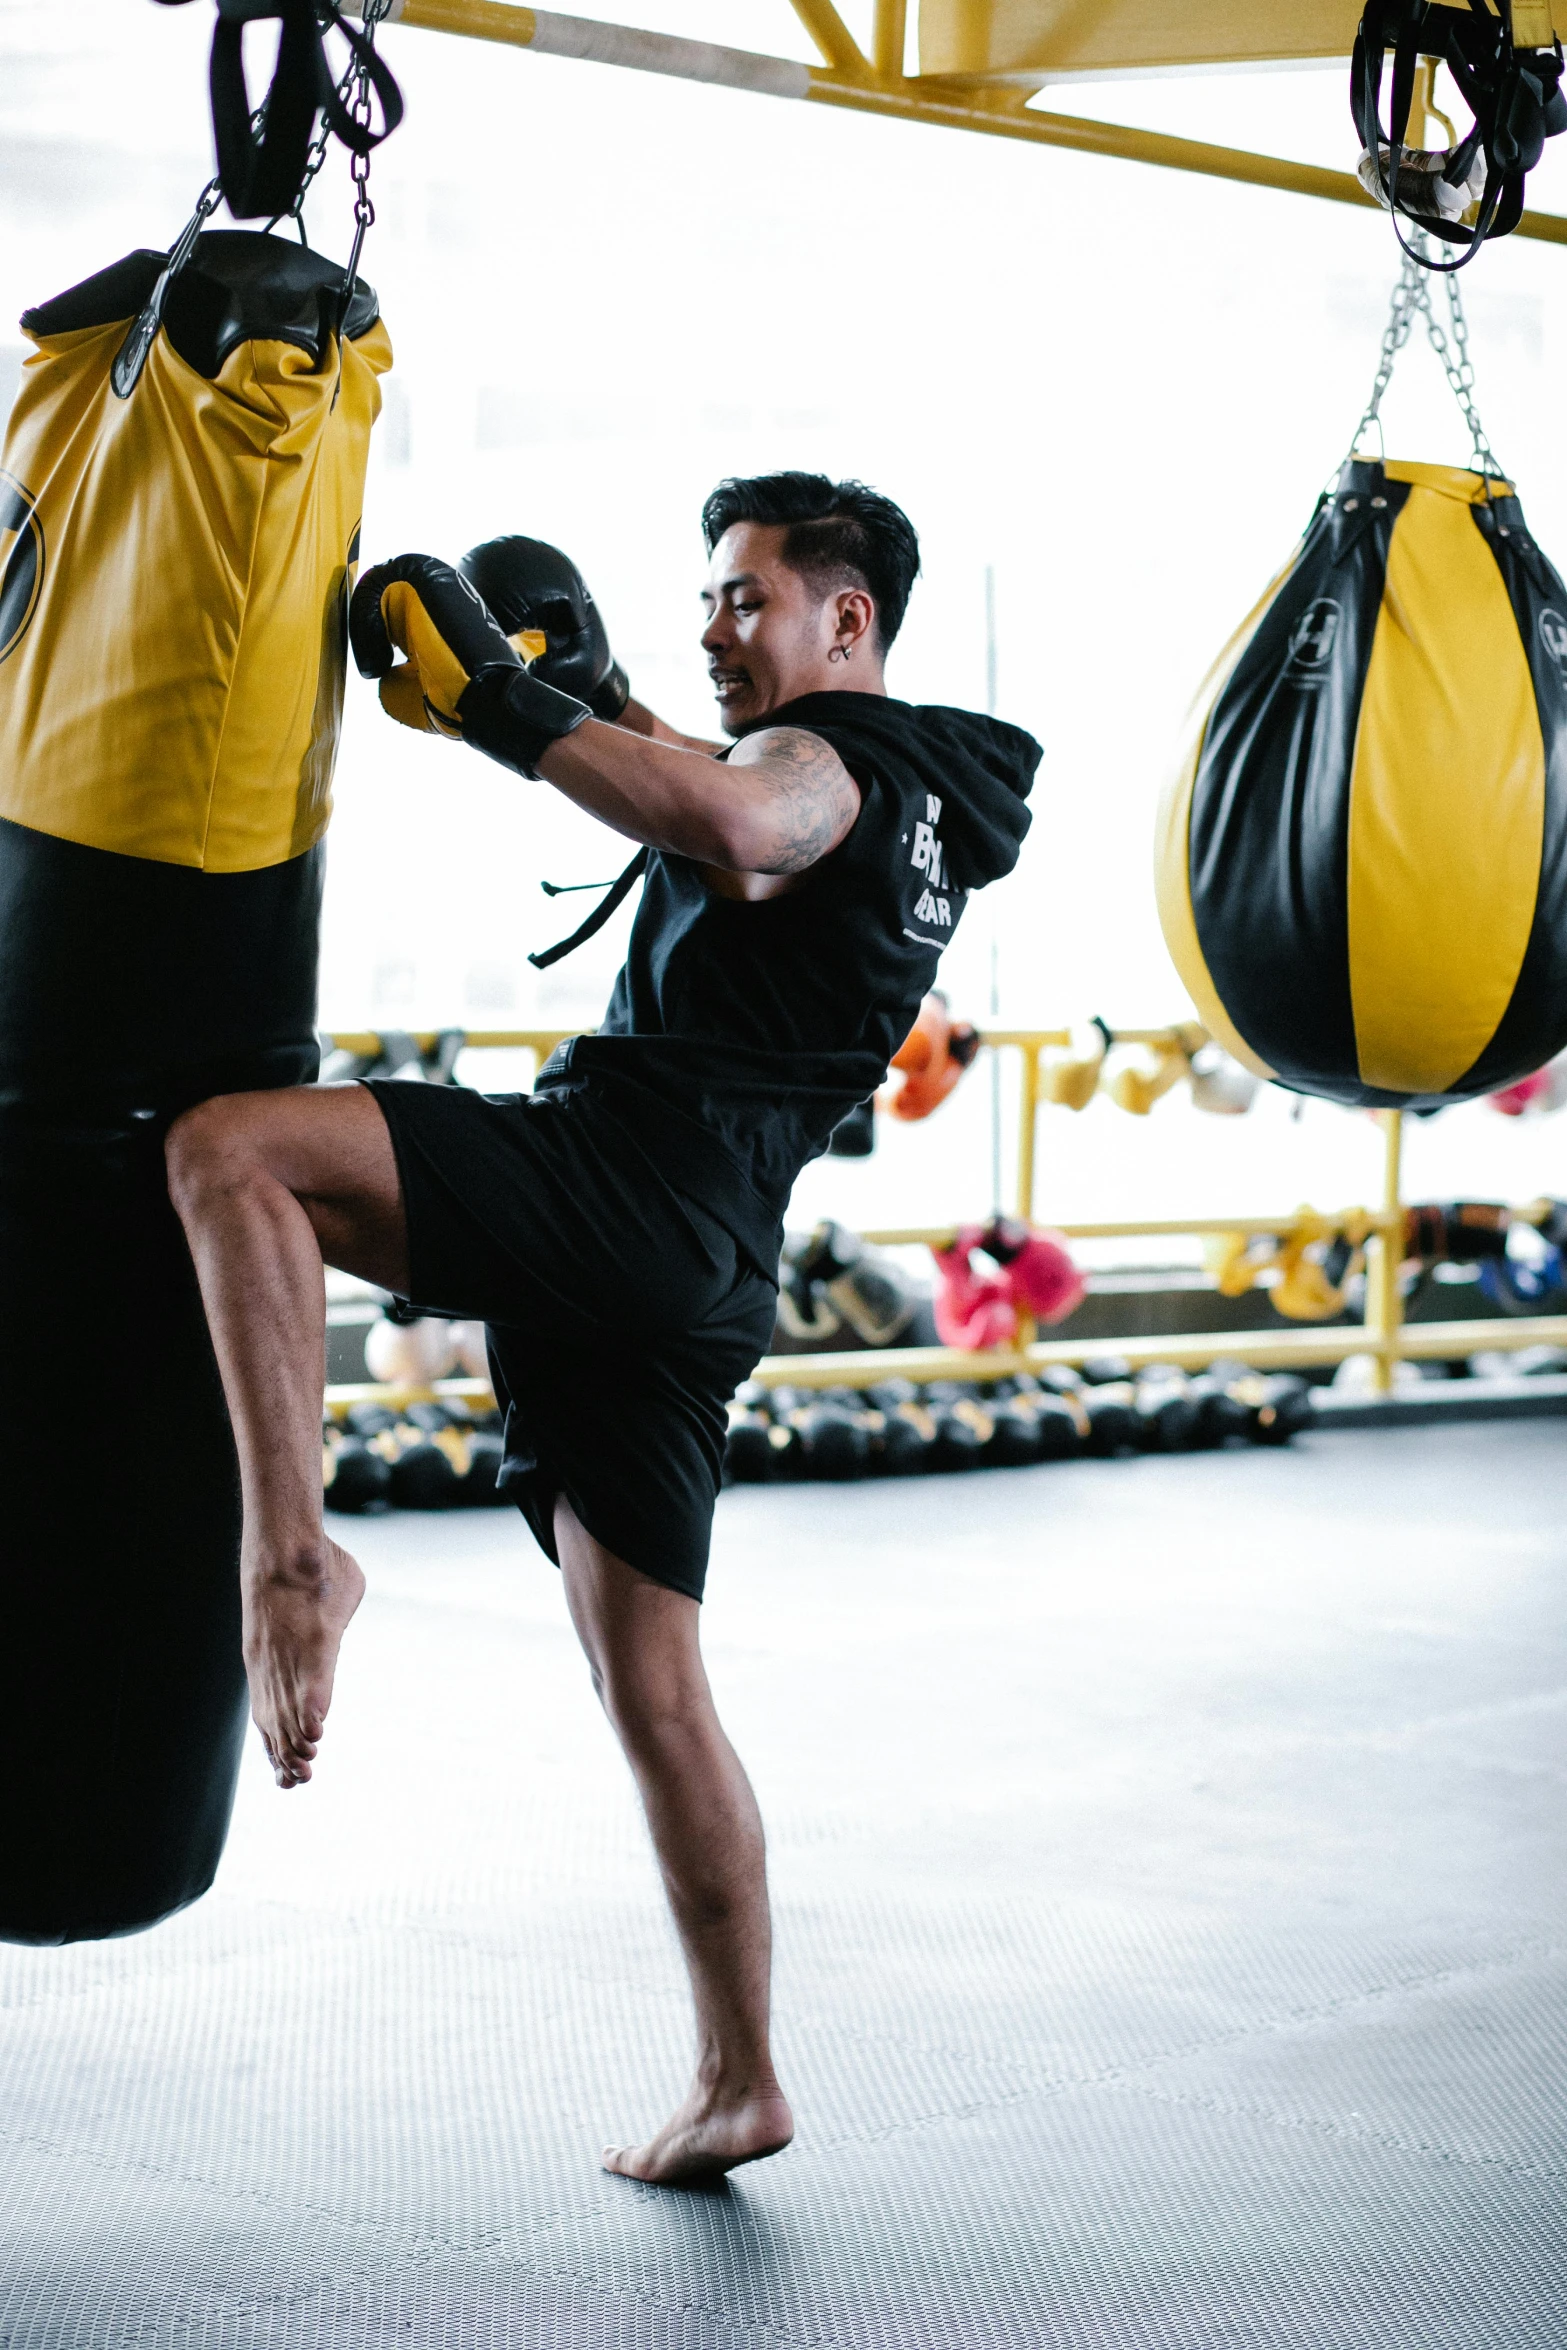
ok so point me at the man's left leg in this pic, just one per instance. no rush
(641, 1641)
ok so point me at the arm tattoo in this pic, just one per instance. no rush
(813, 798)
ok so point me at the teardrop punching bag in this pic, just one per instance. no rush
(172, 632)
(1362, 859)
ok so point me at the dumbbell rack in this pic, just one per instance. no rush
(1384, 1335)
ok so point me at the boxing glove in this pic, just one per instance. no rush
(539, 597)
(974, 1311)
(1038, 1266)
(462, 678)
(931, 1059)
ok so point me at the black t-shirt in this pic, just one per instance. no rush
(738, 1035)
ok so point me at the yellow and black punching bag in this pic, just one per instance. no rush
(1362, 860)
(175, 567)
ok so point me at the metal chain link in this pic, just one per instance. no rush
(362, 108)
(353, 93)
(1412, 295)
(207, 203)
(315, 156)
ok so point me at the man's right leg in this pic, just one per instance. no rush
(268, 1186)
(641, 1641)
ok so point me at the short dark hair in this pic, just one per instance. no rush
(841, 534)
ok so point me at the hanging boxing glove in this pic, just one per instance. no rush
(1305, 1290)
(542, 602)
(1235, 1259)
(931, 1059)
(806, 1317)
(1220, 1086)
(1071, 1082)
(1536, 1096)
(864, 1288)
(1137, 1087)
(1043, 1281)
(974, 1310)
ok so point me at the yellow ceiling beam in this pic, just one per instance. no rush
(888, 39)
(966, 110)
(1052, 40)
(833, 38)
(857, 84)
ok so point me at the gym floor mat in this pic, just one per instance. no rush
(1172, 1945)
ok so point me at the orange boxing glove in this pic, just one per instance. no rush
(931, 1059)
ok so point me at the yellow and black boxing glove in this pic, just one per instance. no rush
(546, 610)
(461, 678)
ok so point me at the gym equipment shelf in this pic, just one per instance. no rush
(1383, 1334)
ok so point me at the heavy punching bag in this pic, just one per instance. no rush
(179, 554)
(1362, 859)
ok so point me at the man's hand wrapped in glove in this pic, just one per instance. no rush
(462, 677)
(544, 606)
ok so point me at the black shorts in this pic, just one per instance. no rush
(621, 1316)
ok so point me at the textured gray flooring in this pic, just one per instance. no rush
(1172, 1939)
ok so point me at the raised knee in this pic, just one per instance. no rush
(197, 1144)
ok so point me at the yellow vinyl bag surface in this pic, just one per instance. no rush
(174, 681)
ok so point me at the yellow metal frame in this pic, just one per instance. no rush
(985, 41)
(1383, 1334)
(996, 104)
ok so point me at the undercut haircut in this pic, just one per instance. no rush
(840, 535)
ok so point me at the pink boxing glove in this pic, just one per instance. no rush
(1536, 1096)
(977, 1311)
(973, 1310)
(1514, 1100)
(1044, 1280)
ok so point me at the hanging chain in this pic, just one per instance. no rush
(1459, 369)
(212, 194)
(314, 158)
(1412, 294)
(353, 94)
(1400, 318)
(361, 107)
(206, 204)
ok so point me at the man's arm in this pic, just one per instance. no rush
(637, 718)
(781, 802)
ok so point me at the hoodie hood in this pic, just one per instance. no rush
(981, 768)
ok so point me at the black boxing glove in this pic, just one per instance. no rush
(462, 678)
(542, 603)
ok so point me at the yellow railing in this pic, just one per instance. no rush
(1383, 1334)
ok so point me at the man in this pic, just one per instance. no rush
(799, 885)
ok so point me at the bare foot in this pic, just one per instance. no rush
(709, 2135)
(295, 1616)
